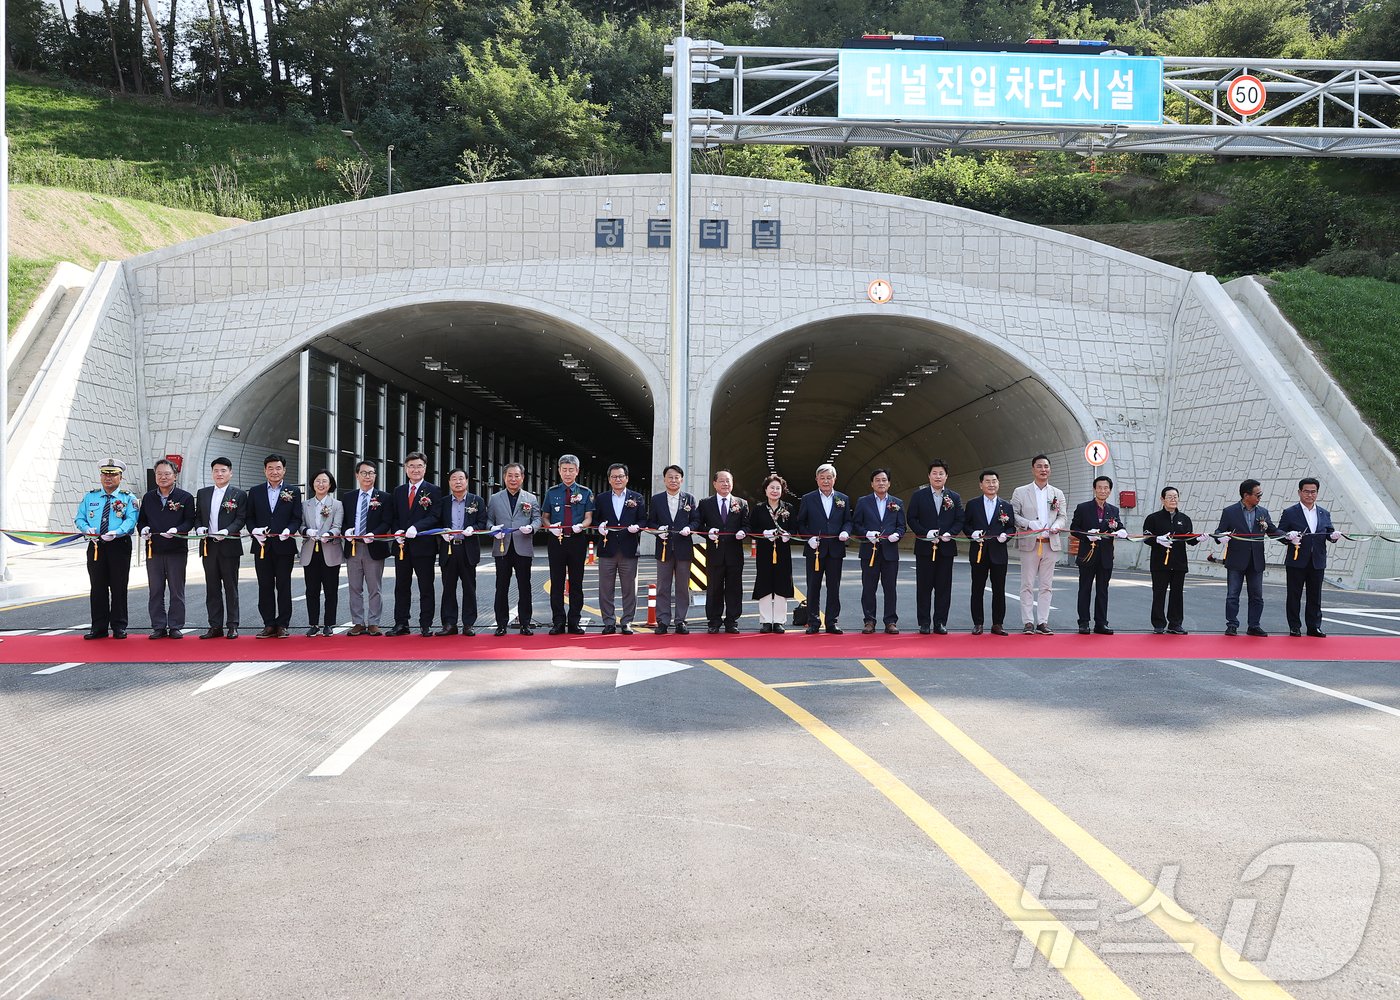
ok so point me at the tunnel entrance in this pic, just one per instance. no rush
(866, 392)
(475, 385)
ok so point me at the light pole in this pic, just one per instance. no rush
(391, 168)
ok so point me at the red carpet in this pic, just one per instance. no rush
(750, 646)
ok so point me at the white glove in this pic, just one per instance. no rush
(785, 537)
(814, 543)
(109, 536)
(739, 536)
(603, 530)
(1295, 537)
(1335, 536)
(870, 536)
(468, 531)
(286, 534)
(845, 536)
(664, 530)
(931, 533)
(1054, 531)
(202, 530)
(525, 529)
(686, 530)
(632, 529)
(411, 531)
(894, 537)
(222, 532)
(261, 534)
(1092, 533)
(557, 531)
(1220, 536)
(714, 534)
(977, 535)
(168, 533)
(146, 532)
(578, 528)
(327, 533)
(1045, 536)
(1165, 541)
(1121, 533)
(1002, 538)
(945, 537)
(768, 533)
(499, 531)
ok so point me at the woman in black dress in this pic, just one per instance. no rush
(771, 525)
(1164, 530)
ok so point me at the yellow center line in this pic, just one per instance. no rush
(1084, 970)
(1237, 973)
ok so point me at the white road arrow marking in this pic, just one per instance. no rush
(58, 668)
(628, 671)
(238, 671)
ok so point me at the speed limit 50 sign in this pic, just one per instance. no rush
(1246, 95)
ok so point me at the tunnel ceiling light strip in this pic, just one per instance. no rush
(881, 402)
(784, 389)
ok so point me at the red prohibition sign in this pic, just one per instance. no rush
(1246, 95)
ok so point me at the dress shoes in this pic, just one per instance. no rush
(1176, 630)
(940, 630)
(813, 629)
(661, 630)
(1317, 633)
(282, 633)
(269, 632)
(397, 630)
(231, 633)
(1296, 633)
(627, 630)
(682, 628)
(557, 629)
(1255, 630)
(891, 629)
(731, 630)
(609, 630)
(977, 630)
(213, 633)
(925, 629)
(1102, 630)
(426, 633)
(1044, 629)
(835, 630)
(118, 633)
(174, 633)
(778, 628)
(998, 630)
(468, 632)
(313, 632)
(500, 631)
(446, 630)
(526, 630)
(1232, 630)
(356, 630)
(576, 630)
(766, 628)
(868, 628)
(159, 633)
(1084, 630)
(1157, 631)
(94, 634)
(712, 629)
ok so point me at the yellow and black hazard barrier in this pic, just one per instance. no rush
(699, 576)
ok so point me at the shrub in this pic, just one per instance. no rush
(955, 179)
(1352, 263)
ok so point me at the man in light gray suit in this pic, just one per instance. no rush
(1041, 515)
(514, 514)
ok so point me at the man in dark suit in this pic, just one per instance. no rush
(1167, 532)
(879, 518)
(1096, 523)
(672, 514)
(1307, 529)
(417, 509)
(935, 519)
(166, 511)
(220, 511)
(459, 551)
(989, 521)
(1247, 524)
(725, 519)
(274, 510)
(368, 512)
(621, 514)
(824, 517)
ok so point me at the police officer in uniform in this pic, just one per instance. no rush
(108, 515)
(568, 510)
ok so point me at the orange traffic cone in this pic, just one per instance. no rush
(592, 555)
(651, 605)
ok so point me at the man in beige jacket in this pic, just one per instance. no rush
(1041, 515)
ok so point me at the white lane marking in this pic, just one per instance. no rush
(56, 669)
(1369, 628)
(336, 763)
(628, 671)
(1342, 695)
(65, 631)
(10, 632)
(238, 671)
(1369, 612)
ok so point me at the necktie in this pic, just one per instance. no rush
(105, 523)
(412, 493)
(723, 509)
(361, 513)
(568, 509)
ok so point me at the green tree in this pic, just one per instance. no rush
(1261, 29)
(868, 169)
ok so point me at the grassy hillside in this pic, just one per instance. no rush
(48, 225)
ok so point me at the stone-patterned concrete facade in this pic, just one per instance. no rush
(1131, 347)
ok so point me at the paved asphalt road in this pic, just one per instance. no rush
(777, 827)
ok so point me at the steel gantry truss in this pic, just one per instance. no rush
(784, 96)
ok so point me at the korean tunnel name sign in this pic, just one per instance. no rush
(1000, 87)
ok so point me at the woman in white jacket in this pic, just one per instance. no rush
(321, 554)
